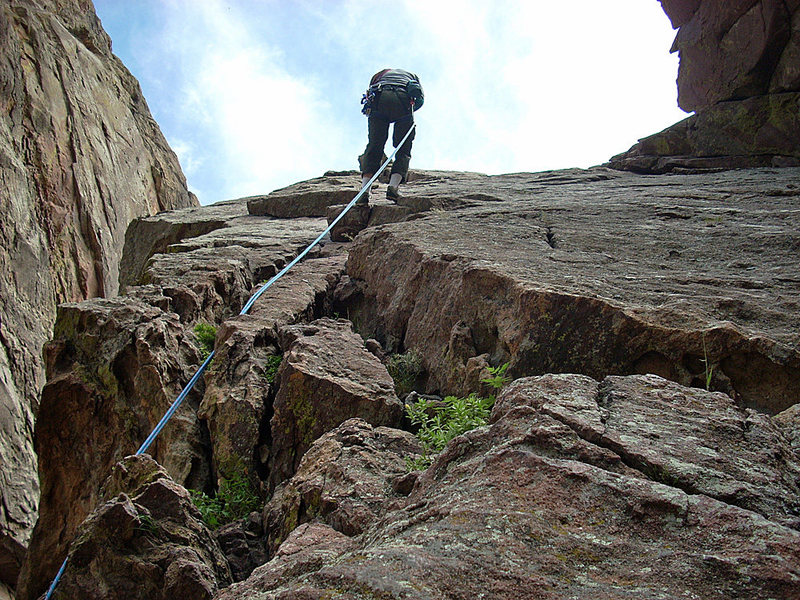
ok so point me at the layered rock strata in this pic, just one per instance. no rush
(555, 500)
(596, 272)
(80, 158)
(145, 541)
(740, 73)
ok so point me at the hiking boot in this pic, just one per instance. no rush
(393, 193)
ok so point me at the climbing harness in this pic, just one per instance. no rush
(185, 392)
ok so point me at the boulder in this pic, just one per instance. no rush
(327, 376)
(146, 541)
(531, 507)
(347, 479)
(80, 158)
(596, 272)
(241, 382)
(113, 371)
(739, 72)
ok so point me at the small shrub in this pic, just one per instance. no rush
(499, 377)
(440, 422)
(273, 362)
(205, 334)
(235, 499)
(404, 369)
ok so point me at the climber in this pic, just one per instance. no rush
(392, 97)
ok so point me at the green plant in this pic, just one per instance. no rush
(273, 362)
(499, 377)
(439, 422)
(205, 334)
(236, 498)
(146, 525)
(404, 369)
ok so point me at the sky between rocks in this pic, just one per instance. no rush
(254, 95)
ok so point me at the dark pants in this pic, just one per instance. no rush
(392, 106)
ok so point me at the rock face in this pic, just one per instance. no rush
(327, 377)
(80, 158)
(734, 50)
(595, 272)
(543, 504)
(609, 293)
(740, 72)
(148, 516)
(131, 356)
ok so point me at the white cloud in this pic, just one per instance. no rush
(247, 122)
(255, 95)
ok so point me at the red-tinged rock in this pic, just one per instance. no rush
(80, 158)
(347, 479)
(306, 549)
(327, 376)
(594, 272)
(532, 507)
(730, 50)
(113, 372)
(146, 541)
(242, 378)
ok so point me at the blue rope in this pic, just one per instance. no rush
(185, 392)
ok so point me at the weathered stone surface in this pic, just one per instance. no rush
(740, 71)
(80, 157)
(327, 376)
(146, 541)
(347, 479)
(133, 354)
(148, 236)
(306, 549)
(242, 544)
(238, 393)
(682, 437)
(307, 198)
(530, 507)
(731, 50)
(789, 422)
(113, 370)
(757, 132)
(597, 272)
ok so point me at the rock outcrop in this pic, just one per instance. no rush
(690, 277)
(145, 541)
(327, 377)
(80, 158)
(346, 480)
(596, 473)
(740, 73)
(546, 503)
(132, 355)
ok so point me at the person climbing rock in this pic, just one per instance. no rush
(392, 97)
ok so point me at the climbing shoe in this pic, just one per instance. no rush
(364, 200)
(392, 193)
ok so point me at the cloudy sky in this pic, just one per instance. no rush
(254, 95)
